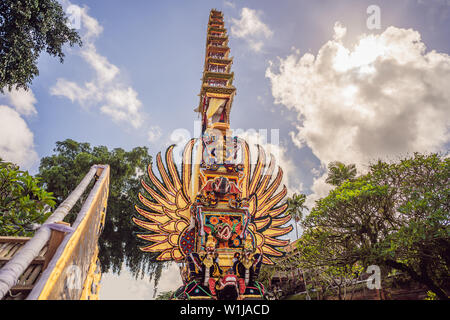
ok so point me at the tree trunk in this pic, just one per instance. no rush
(353, 291)
(296, 229)
(423, 278)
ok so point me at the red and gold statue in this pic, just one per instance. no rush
(219, 217)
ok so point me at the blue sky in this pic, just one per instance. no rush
(314, 70)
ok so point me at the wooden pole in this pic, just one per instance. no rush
(13, 269)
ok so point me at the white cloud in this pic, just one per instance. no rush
(154, 133)
(229, 4)
(22, 100)
(123, 105)
(115, 98)
(251, 28)
(74, 92)
(92, 28)
(170, 278)
(105, 71)
(126, 287)
(16, 139)
(384, 97)
(319, 190)
(339, 31)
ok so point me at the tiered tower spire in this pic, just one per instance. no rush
(217, 91)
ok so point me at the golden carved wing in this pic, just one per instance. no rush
(269, 217)
(167, 212)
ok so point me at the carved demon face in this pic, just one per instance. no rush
(221, 185)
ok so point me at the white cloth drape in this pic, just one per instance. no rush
(214, 105)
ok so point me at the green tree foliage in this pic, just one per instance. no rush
(22, 202)
(395, 216)
(28, 27)
(118, 244)
(324, 265)
(296, 206)
(338, 172)
(166, 295)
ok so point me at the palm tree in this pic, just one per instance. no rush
(296, 205)
(338, 172)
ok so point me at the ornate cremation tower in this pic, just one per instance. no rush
(220, 216)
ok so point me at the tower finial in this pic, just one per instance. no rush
(217, 91)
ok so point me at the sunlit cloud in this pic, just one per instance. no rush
(16, 139)
(22, 100)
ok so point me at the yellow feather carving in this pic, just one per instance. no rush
(165, 255)
(263, 202)
(146, 225)
(270, 251)
(169, 213)
(156, 217)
